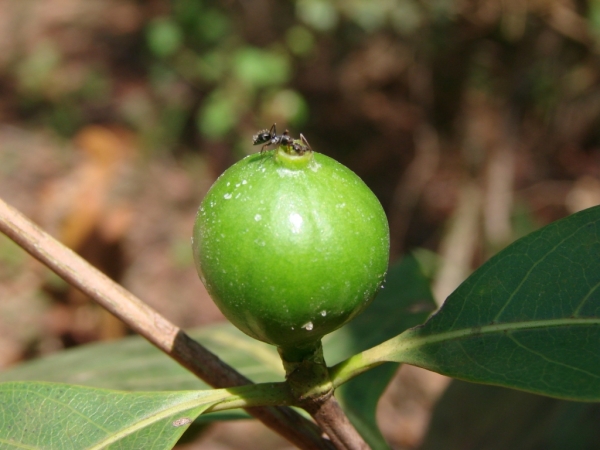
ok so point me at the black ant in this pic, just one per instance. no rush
(266, 137)
(270, 137)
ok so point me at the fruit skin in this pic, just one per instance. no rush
(290, 248)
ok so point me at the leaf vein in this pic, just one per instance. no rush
(585, 299)
(17, 445)
(551, 361)
(411, 339)
(531, 269)
(67, 406)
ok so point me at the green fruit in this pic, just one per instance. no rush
(290, 247)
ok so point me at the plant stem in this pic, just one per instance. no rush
(310, 383)
(355, 365)
(150, 324)
(332, 420)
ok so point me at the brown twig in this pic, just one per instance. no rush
(332, 420)
(150, 324)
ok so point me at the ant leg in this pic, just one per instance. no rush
(273, 130)
(305, 142)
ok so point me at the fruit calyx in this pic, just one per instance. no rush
(286, 156)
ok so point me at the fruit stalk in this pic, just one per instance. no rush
(307, 374)
(310, 383)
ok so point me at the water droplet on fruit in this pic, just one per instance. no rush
(323, 313)
(244, 182)
(257, 217)
(227, 196)
(308, 326)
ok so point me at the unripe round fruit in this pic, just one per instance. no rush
(290, 247)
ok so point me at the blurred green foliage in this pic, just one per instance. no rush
(164, 37)
(360, 79)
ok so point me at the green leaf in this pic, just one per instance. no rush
(261, 68)
(594, 17)
(320, 14)
(58, 416)
(133, 364)
(477, 416)
(405, 301)
(218, 115)
(212, 25)
(35, 69)
(527, 319)
(287, 104)
(164, 37)
(300, 40)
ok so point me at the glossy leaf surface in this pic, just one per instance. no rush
(529, 318)
(475, 416)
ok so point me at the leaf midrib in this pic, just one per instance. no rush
(412, 339)
(159, 415)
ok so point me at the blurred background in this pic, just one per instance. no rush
(473, 121)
